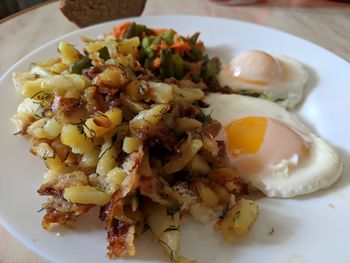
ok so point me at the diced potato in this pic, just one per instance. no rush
(107, 157)
(183, 125)
(135, 90)
(198, 165)
(223, 195)
(45, 128)
(131, 144)
(48, 67)
(22, 121)
(56, 83)
(132, 105)
(52, 128)
(129, 46)
(113, 77)
(79, 84)
(72, 136)
(187, 95)
(210, 144)
(44, 151)
(102, 123)
(208, 196)
(166, 228)
(72, 85)
(31, 107)
(115, 115)
(160, 92)
(149, 117)
(58, 68)
(179, 161)
(27, 83)
(86, 194)
(115, 178)
(68, 53)
(31, 87)
(52, 160)
(89, 159)
(97, 127)
(239, 220)
(94, 46)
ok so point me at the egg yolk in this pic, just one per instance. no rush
(245, 135)
(256, 67)
(256, 144)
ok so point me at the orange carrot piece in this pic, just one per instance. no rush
(119, 30)
(159, 31)
(163, 44)
(181, 46)
(200, 45)
(156, 63)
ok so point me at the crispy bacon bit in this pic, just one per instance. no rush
(229, 178)
(159, 134)
(130, 166)
(62, 212)
(120, 228)
(212, 128)
(62, 104)
(102, 121)
(150, 184)
(56, 187)
(92, 72)
(94, 100)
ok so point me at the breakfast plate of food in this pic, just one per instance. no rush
(179, 139)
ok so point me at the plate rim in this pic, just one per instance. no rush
(7, 226)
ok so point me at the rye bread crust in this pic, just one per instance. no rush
(89, 12)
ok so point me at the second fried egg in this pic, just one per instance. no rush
(274, 77)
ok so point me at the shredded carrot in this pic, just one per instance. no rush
(156, 63)
(195, 69)
(181, 46)
(163, 44)
(159, 31)
(200, 45)
(119, 30)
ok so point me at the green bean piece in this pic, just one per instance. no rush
(157, 39)
(131, 31)
(104, 53)
(136, 30)
(142, 54)
(150, 53)
(168, 36)
(178, 65)
(81, 64)
(195, 54)
(166, 64)
(193, 39)
(197, 75)
(212, 68)
(146, 42)
(148, 63)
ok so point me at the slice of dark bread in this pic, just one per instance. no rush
(88, 12)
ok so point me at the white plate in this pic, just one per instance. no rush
(314, 228)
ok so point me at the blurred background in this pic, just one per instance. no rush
(9, 7)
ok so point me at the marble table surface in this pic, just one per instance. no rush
(326, 23)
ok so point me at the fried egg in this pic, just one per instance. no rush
(271, 149)
(274, 77)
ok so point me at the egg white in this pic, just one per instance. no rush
(288, 91)
(322, 168)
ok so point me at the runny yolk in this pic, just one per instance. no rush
(246, 135)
